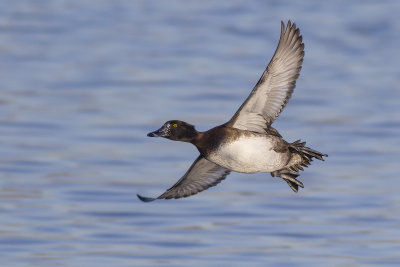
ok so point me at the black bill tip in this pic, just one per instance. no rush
(158, 133)
(152, 134)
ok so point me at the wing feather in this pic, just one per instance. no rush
(200, 176)
(275, 86)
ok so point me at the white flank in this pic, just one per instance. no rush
(250, 155)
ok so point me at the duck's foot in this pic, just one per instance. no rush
(290, 177)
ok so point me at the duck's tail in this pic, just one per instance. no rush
(307, 154)
(291, 172)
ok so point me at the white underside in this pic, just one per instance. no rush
(250, 155)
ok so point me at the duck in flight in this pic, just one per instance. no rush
(248, 143)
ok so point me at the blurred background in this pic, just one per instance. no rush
(83, 82)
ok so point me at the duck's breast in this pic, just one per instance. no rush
(250, 154)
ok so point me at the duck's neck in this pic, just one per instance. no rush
(200, 143)
(196, 137)
(188, 137)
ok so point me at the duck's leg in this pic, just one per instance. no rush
(290, 177)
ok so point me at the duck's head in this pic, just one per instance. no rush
(176, 130)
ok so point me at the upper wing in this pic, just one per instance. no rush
(275, 86)
(200, 176)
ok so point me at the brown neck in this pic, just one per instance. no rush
(196, 139)
(187, 137)
(201, 141)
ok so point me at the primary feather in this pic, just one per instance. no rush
(275, 86)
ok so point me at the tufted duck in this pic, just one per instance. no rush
(248, 143)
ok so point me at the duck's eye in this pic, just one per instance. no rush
(175, 125)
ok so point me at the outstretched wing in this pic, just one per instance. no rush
(200, 176)
(275, 86)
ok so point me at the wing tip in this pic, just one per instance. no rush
(289, 25)
(145, 199)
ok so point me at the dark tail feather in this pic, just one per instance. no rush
(290, 174)
(306, 153)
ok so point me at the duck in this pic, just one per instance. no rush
(247, 143)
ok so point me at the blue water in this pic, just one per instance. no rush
(83, 82)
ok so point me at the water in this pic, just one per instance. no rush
(83, 82)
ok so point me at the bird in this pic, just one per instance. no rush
(247, 143)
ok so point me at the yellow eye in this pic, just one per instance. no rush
(175, 125)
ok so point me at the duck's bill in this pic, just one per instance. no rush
(153, 134)
(159, 133)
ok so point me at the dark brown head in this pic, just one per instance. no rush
(176, 130)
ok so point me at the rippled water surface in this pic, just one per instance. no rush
(82, 82)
